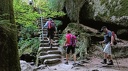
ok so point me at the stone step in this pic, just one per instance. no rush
(46, 48)
(45, 32)
(47, 45)
(45, 35)
(49, 56)
(39, 24)
(46, 41)
(43, 53)
(40, 29)
(52, 61)
(45, 38)
(40, 32)
(55, 38)
(45, 29)
(54, 52)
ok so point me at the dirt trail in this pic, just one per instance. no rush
(93, 65)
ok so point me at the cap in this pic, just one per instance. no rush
(49, 19)
(103, 28)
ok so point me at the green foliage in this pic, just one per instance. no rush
(26, 19)
(50, 8)
(117, 8)
(56, 5)
(62, 39)
(24, 13)
(28, 46)
(123, 11)
(58, 22)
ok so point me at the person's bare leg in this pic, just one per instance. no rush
(105, 58)
(67, 57)
(110, 60)
(48, 40)
(74, 55)
(52, 41)
(109, 57)
(105, 55)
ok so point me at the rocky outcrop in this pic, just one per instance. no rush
(73, 8)
(111, 13)
(25, 66)
(99, 10)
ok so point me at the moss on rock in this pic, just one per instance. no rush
(99, 10)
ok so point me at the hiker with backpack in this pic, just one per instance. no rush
(51, 31)
(108, 41)
(70, 43)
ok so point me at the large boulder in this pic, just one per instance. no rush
(25, 66)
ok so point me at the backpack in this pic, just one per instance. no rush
(115, 38)
(72, 40)
(51, 25)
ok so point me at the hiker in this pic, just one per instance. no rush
(51, 31)
(70, 43)
(30, 2)
(108, 41)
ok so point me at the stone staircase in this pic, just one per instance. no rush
(47, 55)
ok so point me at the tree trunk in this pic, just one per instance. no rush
(9, 59)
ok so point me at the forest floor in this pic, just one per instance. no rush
(92, 65)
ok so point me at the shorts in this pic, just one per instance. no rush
(50, 34)
(107, 49)
(70, 48)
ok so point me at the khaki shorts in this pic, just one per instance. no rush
(107, 49)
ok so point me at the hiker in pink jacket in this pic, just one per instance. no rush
(70, 43)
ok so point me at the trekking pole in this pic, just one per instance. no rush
(116, 60)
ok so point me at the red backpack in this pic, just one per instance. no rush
(51, 25)
(115, 37)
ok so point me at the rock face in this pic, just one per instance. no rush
(100, 10)
(111, 13)
(25, 66)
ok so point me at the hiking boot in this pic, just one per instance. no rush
(74, 64)
(66, 63)
(110, 62)
(104, 61)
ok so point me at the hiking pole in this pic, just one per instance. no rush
(116, 60)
